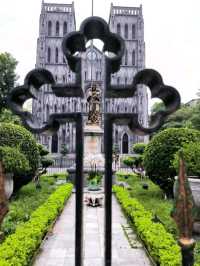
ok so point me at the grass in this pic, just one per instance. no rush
(153, 200)
(25, 201)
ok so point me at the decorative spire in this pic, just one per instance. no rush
(184, 204)
(183, 215)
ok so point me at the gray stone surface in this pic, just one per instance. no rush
(58, 248)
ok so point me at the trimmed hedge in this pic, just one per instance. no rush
(160, 244)
(121, 174)
(19, 248)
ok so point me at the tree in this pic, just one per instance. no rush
(157, 107)
(63, 152)
(195, 118)
(116, 152)
(8, 77)
(191, 155)
(8, 117)
(181, 118)
(44, 163)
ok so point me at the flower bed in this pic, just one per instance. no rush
(19, 248)
(160, 244)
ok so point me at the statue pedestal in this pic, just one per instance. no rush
(93, 156)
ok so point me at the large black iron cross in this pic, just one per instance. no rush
(94, 28)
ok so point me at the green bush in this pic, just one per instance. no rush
(160, 244)
(191, 155)
(160, 152)
(139, 148)
(56, 175)
(13, 160)
(19, 248)
(129, 161)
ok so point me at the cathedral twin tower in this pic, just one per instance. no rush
(56, 20)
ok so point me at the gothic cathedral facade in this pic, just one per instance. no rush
(56, 20)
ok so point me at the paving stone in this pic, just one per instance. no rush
(58, 248)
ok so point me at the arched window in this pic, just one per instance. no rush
(57, 28)
(47, 111)
(49, 55)
(116, 136)
(126, 58)
(125, 144)
(118, 28)
(133, 58)
(55, 108)
(63, 108)
(126, 31)
(63, 135)
(49, 28)
(65, 28)
(75, 106)
(54, 143)
(118, 80)
(133, 31)
(125, 80)
(56, 55)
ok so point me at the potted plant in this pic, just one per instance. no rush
(94, 180)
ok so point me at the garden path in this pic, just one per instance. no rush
(58, 248)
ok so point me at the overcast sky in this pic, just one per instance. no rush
(172, 35)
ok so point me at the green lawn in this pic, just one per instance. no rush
(153, 200)
(25, 202)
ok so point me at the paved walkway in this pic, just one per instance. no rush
(58, 249)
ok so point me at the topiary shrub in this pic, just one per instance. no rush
(160, 152)
(16, 136)
(139, 148)
(191, 155)
(129, 161)
(13, 160)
